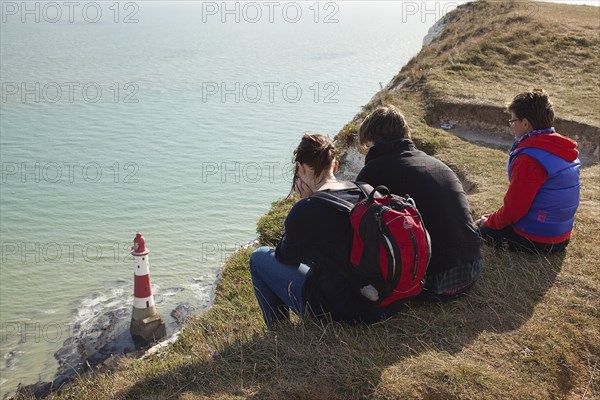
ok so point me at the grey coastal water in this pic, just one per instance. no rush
(179, 125)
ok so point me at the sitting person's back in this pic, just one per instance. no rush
(307, 272)
(394, 161)
(317, 235)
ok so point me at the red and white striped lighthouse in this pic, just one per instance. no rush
(145, 321)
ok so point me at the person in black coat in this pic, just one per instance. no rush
(394, 161)
(306, 272)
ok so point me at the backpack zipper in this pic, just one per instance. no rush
(416, 255)
(391, 250)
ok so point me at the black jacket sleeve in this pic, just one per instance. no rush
(293, 245)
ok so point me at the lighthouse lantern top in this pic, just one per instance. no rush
(139, 246)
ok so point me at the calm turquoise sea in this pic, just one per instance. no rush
(175, 119)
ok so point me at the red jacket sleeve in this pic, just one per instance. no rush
(526, 177)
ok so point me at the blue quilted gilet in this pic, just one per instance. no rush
(552, 212)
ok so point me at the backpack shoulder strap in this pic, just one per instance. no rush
(334, 201)
(370, 192)
(364, 187)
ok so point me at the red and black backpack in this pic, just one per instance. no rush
(390, 247)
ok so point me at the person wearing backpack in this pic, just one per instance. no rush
(394, 161)
(539, 207)
(307, 272)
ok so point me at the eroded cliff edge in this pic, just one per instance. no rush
(467, 72)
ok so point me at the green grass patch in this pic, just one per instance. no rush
(270, 225)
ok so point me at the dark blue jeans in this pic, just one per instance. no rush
(508, 239)
(278, 287)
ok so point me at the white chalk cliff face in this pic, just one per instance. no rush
(351, 163)
(435, 30)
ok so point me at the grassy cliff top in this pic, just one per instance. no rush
(529, 330)
(493, 50)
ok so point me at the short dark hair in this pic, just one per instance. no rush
(535, 106)
(385, 121)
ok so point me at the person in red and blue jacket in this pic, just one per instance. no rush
(543, 194)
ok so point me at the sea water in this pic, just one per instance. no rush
(174, 119)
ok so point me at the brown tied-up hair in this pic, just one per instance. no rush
(535, 106)
(315, 150)
(384, 122)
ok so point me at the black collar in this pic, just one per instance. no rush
(389, 146)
